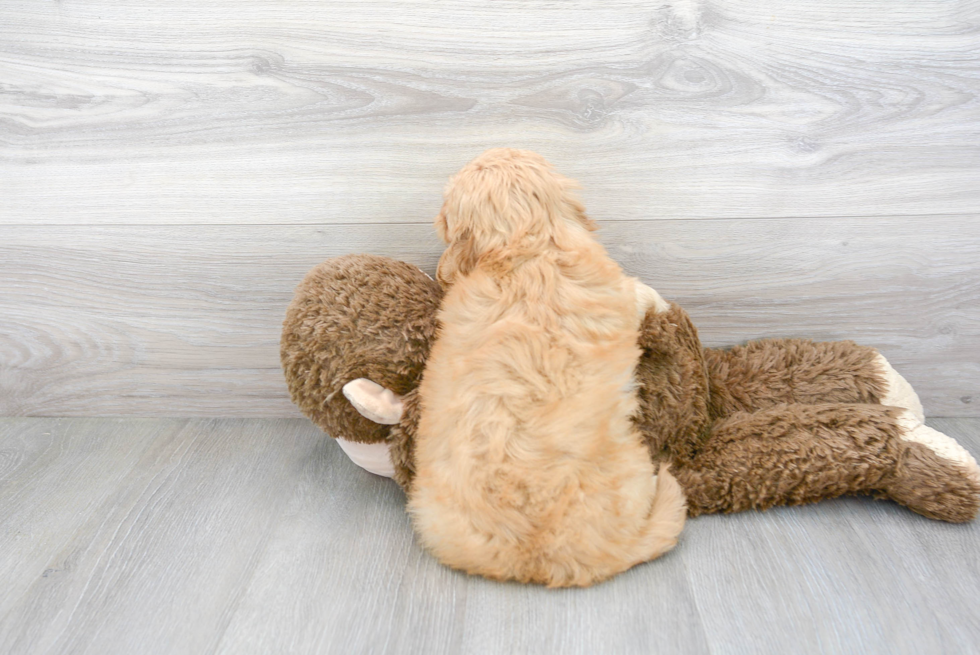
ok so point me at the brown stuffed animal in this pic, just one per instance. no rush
(773, 422)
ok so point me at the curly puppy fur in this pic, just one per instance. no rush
(358, 316)
(528, 464)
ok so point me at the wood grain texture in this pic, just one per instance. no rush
(258, 536)
(310, 112)
(159, 563)
(185, 320)
(861, 576)
(43, 466)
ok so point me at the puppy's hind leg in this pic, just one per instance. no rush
(668, 510)
(666, 518)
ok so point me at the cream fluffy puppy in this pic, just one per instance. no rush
(528, 464)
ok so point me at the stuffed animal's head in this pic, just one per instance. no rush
(355, 339)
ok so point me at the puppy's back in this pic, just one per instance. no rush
(528, 464)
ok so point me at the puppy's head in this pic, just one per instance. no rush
(506, 203)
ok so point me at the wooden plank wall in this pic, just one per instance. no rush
(169, 171)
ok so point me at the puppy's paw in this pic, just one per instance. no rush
(667, 515)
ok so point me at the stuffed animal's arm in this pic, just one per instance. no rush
(380, 405)
(374, 402)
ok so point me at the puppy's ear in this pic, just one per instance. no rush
(459, 258)
(576, 209)
(442, 226)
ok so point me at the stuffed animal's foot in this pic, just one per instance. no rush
(382, 406)
(372, 457)
(942, 445)
(934, 475)
(897, 391)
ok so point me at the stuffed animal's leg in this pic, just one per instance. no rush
(382, 406)
(401, 442)
(897, 392)
(793, 454)
(770, 372)
(395, 457)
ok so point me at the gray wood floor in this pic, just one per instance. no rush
(258, 536)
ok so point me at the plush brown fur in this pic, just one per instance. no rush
(352, 317)
(771, 372)
(769, 423)
(402, 440)
(786, 421)
(673, 386)
(793, 454)
(528, 464)
(932, 486)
